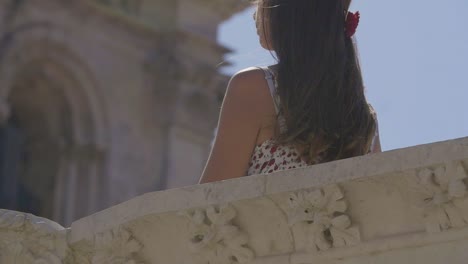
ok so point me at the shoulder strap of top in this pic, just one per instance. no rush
(376, 134)
(270, 78)
(272, 87)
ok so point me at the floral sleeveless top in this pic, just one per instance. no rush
(269, 157)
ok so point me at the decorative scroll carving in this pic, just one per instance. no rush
(116, 246)
(445, 200)
(25, 238)
(214, 239)
(320, 214)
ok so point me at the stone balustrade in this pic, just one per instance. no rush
(402, 206)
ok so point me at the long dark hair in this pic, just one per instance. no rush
(319, 79)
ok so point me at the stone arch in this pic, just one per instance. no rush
(53, 97)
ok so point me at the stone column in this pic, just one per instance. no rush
(79, 186)
(4, 111)
(93, 162)
(60, 190)
(70, 174)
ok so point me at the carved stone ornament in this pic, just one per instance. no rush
(445, 198)
(320, 215)
(25, 238)
(214, 239)
(116, 246)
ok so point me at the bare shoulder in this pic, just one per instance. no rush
(239, 124)
(250, 86)
(249, 79)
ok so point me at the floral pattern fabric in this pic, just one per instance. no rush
(269, 157)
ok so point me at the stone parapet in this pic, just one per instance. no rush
(402, 206)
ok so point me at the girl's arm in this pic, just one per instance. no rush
(238, 126)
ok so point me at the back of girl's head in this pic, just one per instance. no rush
(319, 79)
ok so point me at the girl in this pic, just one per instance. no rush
(307, 109)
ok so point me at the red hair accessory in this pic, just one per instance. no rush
(352, 22)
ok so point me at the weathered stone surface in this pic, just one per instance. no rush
(25, 238)
(401, 206)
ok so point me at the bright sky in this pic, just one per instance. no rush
(414, 57)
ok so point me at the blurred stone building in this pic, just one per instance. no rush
(104, 100)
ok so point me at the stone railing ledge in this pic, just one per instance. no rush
(378, 164)
(402, 206)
